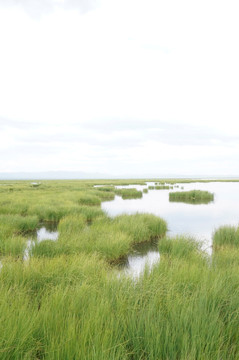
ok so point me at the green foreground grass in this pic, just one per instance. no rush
(67, 301)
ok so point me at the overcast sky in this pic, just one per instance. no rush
(122, 87)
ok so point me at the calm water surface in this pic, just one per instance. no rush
(199, 221)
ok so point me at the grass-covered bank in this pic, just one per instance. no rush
(111, 239)
(67, 301)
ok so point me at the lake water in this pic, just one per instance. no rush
(199, 221)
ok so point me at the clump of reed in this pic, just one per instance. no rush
(11, 245)
(12, 231)
(104, 195)
(226, 236)
(105, 188)
(89, 200)
(48, 249)
(163, 187)
(191, 197)
(72, 224)
(145, 191)
(181, 246)
(18, 223)
(129, 193)
(52, 212)
(142, 227)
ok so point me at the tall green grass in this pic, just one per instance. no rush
(18, 223)
(74, 307)
(12, 245)
(142, 227)
(226, 236)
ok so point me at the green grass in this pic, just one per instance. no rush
(182, 247)
(226, 236)
(71, 307)
(12, 245)
(88, 200)
(142, 227)
(191, 197)
(112, 239)
(18, 223)
(68, 301)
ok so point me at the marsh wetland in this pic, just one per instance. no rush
(119, 269)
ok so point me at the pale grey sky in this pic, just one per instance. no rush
(123, 87)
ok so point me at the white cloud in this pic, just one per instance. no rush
(120, 85)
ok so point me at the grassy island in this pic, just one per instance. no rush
(129, 193)
(191, 197)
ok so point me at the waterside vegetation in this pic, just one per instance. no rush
(68, 301)
(226, 236)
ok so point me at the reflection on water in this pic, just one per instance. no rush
(144, 255)
(198, 221)
(137, 264)
(46, 232)
(28, 249)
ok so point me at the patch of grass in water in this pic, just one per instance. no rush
(129, 193)
(112, 239)
(163, 187)
(191, 197)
